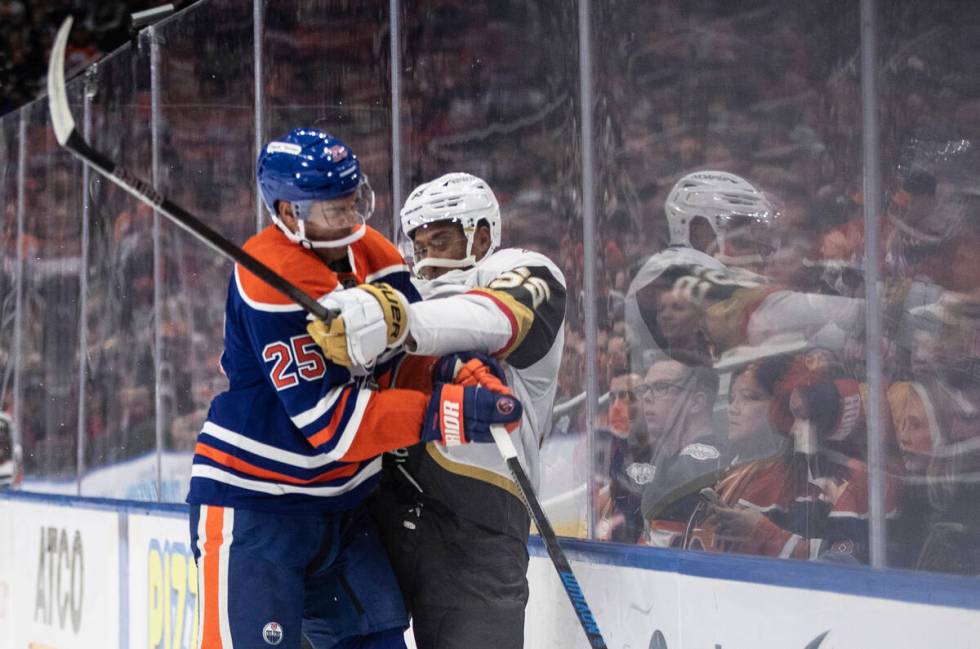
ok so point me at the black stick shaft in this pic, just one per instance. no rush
(146, 193)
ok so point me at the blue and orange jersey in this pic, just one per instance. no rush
(294, 432)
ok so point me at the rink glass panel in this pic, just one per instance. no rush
(769, 91)
(8, 257)
(930, 144)
(205, 126)
(120, 411)
(52, 257)
(326, 65)
(493, 91)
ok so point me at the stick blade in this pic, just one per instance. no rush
(61, 118)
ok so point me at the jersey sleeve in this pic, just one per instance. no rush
(346, 418)
(516, 317)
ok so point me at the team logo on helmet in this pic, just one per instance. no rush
(272, 633)
(337, 152)
(505, 406)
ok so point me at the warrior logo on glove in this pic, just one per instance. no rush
(451, 433)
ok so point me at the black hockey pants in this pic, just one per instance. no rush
(465, 585)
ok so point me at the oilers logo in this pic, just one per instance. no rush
(505, 405)
(272, 633)
(337, 152)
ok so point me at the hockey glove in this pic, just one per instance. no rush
(460, 415)
(373, 318)
(470, 369)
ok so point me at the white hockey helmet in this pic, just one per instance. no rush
(720, 198)
(459, 197)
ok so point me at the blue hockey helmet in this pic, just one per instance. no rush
(312, 170)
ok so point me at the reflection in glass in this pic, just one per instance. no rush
(773, 307)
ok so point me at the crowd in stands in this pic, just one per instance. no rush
(27, 30)
(775, 461)
(767, 90)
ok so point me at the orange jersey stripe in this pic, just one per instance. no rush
(327, 433)
(392, 419)
(242, 466)
(213, 525)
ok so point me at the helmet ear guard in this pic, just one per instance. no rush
(459, 197)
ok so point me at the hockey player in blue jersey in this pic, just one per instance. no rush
(283, 544)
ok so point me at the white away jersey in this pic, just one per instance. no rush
(511, 306)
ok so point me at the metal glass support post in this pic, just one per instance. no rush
(157, 256)
(80, 468)
(258, 30)
(18, 414)
(394, 13)
(588, 239)
(872, 213)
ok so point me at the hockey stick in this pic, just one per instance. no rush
(568, 580)
(71, 139)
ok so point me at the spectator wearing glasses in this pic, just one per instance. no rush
(677, 398)
(627, 468)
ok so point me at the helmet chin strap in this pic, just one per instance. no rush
(468, 261)
(431, 262)
(333, 243)
(300, 235)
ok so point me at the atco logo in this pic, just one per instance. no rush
(337, 152)
(272, 633)
(60, 578)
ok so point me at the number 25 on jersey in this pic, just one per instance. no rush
(299, 359)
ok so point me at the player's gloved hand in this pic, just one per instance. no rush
(471, 368)
(373, 318)
(461, 414)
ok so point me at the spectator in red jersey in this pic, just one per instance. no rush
(810, 501)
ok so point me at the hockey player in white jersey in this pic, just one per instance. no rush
(453, 521)
(714, 218)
